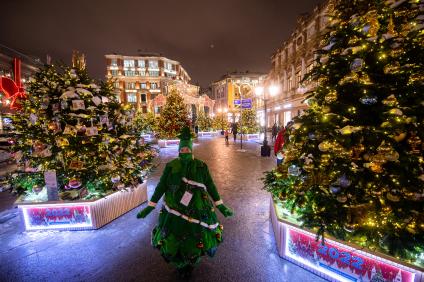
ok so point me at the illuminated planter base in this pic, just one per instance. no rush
(81, 215)
(337, 260)
(206, 134)
(168, 143)
(251, 137)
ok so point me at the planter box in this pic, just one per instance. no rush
(206, 134)
(80, 215)
(168, 143)
(251, 136)
(337, 260)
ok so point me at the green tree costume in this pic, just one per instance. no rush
(188, 227)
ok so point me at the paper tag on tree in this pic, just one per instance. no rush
(78, 105)
(33, 118)
(185, 200)
(96, 100)
(91, 131)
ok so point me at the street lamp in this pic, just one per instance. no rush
(260, 93)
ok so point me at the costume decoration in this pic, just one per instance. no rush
(188, 227)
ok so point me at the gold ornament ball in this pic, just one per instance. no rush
(324, 146)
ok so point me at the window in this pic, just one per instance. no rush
(129, 85)
(153, 73)
(298, 77)
(129, 73)
(153, 86)
(114, 72)
(116, 84)
(153, 64)
(289, 83)
(143, 98)
(131, 98)
(143, 85)
(168, 66)
(142, 73)
(141, 63)
(128, 63)
(113, 62)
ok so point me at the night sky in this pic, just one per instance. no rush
(209, 38)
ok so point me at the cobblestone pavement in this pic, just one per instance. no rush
(121, 250)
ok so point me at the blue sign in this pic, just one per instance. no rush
(246, 103)
(236, 102)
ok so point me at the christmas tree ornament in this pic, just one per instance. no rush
(342, 198)
(348, 129)
(115, 178)
(294, 170)
(331, 97)
(344, 182)
(63, 104)
(312, 136)
(324, 146)
(399, 137)
(335, 189)
(73, 183)
(357, 65)
(70, 130)
(392, 197)
(390, 101)
(37, 189)
(414, 142)
(33, 118)
(76, 165)
(396, 112)
(325, 159)
(368, 100)
(62, 142)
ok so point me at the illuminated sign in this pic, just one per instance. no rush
(341, 262)
(57, 216)
(13, 89)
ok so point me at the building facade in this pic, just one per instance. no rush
(231, 87)
(295, 58)
(145, 80)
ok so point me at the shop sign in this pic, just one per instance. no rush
(57, 216)
(341, 262)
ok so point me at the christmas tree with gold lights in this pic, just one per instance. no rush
(173, 116)
(353, 164)
(80, 130)
(204, 122)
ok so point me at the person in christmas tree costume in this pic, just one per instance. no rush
(188, 227)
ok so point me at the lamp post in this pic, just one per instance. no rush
(260, 93)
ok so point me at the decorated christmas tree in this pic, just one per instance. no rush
(220, 122)
(204, 122)
(145, 122)
(78, 129)
(353, 164)
(173, 116)
(249, 122)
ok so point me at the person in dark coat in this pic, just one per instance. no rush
(234, 131)
(274, 132)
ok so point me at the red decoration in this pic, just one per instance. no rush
(13, 89)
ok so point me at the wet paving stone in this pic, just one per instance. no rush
(121, 250)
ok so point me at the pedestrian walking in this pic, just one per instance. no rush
(274, 132)
(226, 133)
(278, 145)
(188, 227)
(234, 131)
